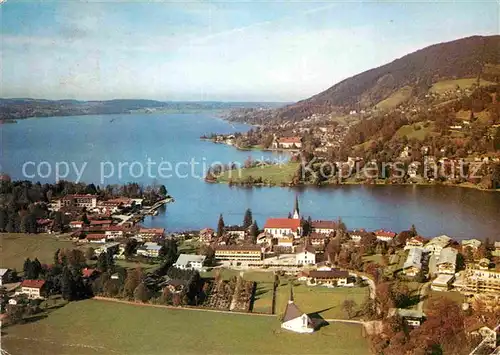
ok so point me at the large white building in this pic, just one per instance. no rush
(189, 261)
(413, 263)
(435, 245)
(283, 227)
(447, 261)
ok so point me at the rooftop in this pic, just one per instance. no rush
(286, 223)
(186, 259)
(33, 283)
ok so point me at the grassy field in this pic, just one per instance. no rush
(16, 247)
(416, 130)
(326, 302)
(263, 301)
(273, 174)
(99, 327)
(395, 99)
(446, 85)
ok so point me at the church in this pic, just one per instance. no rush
(295, 320)
(285, 227)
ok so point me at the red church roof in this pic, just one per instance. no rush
(282, 223)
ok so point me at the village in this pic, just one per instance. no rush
(292, 263)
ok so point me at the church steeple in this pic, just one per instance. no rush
(290, 300)
(296, 212)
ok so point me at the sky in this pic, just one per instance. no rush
(224, 51)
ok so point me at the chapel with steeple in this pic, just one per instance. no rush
(294, 319)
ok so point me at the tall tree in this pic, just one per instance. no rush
(67, 284)
(220, 226)
(247, 220)
(254, 231)
(163, 190)
(141, 293)
(134, 278)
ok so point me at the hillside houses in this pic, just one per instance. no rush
(447, 261)
(435, 245)
(413, 263)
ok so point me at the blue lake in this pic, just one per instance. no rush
(103, 142)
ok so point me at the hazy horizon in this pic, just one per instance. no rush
(226, 52)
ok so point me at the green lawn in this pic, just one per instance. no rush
(133, 265)
(326, 302)
(263, 301)
(395, 99)
(273, 174)
(446, 85)
(16, 247)
(416, 130)
(99, 327)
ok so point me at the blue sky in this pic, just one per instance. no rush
(265, 51)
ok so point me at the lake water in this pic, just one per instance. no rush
(174, 138)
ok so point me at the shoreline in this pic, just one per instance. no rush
(349, 183)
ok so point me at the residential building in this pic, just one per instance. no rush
(435, 245)
(357, 234)
(384, 236)
(4, 276)
(76, 224)
(334, 277)
(295, 320)
(43, 225)
(306, 256)
(412, 317)
(206, 235)
(151, 233)
(237, 231)
(443, 282)
(413, 263)
(318, 239)
(447, 261)
(238, 252)
(478, 281)
(473, 244)
(79, 201)
(108, 248)
(33, 288)
(113, 232)
(415, 242)
(286, 241)
(282, 227)
(190, 261)
(96, 238)
(496, 252)
(264, 238)
(323, 227)
(149, 249)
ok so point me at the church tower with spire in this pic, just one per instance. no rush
(296, 212)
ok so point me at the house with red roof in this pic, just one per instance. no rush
(384, 236)
(33, 288)
(282, 227)
(287, 143)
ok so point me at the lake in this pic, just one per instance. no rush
(138, 142)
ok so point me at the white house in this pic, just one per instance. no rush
(295, 320)
(306, 256)
(384, 236)
(413, 263)
(189, 261)
(323, 227)
(447, 261)
(149, 249)
(33, 288)
(415, 242)
(473, 244)
(435, 245)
